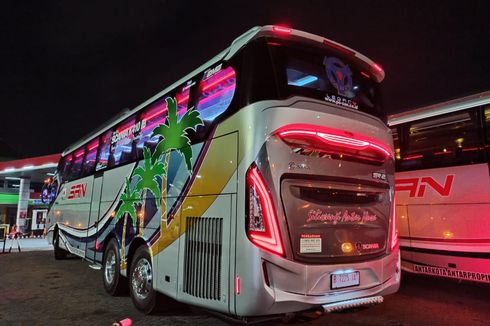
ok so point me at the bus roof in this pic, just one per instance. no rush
(228, 53)
(454, 105)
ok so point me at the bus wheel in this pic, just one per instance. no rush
(58, 252)
(114, 282)
(141, 281)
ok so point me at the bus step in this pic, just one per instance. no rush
(347, 304)
(97, 267)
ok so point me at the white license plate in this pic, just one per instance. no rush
(343, 280)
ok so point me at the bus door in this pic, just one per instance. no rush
(93, 219)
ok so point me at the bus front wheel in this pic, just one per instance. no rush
(141, 276)
(114, 282)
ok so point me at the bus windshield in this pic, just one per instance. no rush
(314, 70)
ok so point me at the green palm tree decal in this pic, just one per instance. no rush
(174, 133)
(129, 199)
(148, 173)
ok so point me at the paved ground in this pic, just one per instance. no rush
(26, 245)
(37, 290)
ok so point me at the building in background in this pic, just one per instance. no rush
(21, 183)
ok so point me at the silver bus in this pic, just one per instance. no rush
(261, 183)
(443, 188)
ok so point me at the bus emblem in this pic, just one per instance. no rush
(340, 75)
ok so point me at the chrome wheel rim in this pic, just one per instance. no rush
(110, 267)
(141, 279)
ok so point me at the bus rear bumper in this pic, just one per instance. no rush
(295, 287)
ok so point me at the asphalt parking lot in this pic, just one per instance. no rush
(37, 290)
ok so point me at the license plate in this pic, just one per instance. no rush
(343, 280)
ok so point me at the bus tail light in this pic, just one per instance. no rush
(282, 29)
(338, 143)
(262, 224)
(394, 228)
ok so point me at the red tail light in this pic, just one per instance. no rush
(339, 143)
(262, 225)
(282, 29)
(394, 228)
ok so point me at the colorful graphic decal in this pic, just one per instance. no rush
(148, 181)
(340, 76)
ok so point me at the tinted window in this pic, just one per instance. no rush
(89, 162)
(216, 93)
(105, 151)
(123, 146)
(151, 117)
(444, 140)
(76, 168)
(317, 71)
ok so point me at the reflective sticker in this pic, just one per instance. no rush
(310, 243)
(452, 273)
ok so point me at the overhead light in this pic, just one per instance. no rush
(12, 178)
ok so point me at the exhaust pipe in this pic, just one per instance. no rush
(353, 303)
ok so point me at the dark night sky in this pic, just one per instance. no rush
(67, 67)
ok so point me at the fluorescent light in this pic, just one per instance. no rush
(304, 81)
(12, 178)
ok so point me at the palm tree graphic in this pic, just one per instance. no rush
(129, 199)
(174, 137)
(148, 181)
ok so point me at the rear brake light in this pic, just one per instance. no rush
(338, 47)
(394, 228)
(377, 67)
(262, 225)
(281, 29)
(338, 143)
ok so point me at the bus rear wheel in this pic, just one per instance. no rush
(114, 282)
(58, 252)
(141, 288)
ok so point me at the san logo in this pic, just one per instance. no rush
(78, 190)
(417, 186)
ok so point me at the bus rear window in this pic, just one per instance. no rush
(318, 72)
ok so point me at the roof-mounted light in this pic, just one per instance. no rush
(281, 29)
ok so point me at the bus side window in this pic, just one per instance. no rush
(215, 95)
(65, 167)
(151, 117)
(122, 149)
(445, 140)
(104, 152)
(76, 169)
(89, 163)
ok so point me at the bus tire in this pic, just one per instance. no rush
(141, 277)
(114, 283)
(58, 252)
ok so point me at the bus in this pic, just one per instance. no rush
(443, 188)
(261, 183)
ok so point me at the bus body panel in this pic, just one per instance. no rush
(445, 214)
(271, 284)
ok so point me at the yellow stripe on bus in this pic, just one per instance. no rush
(217, 168)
